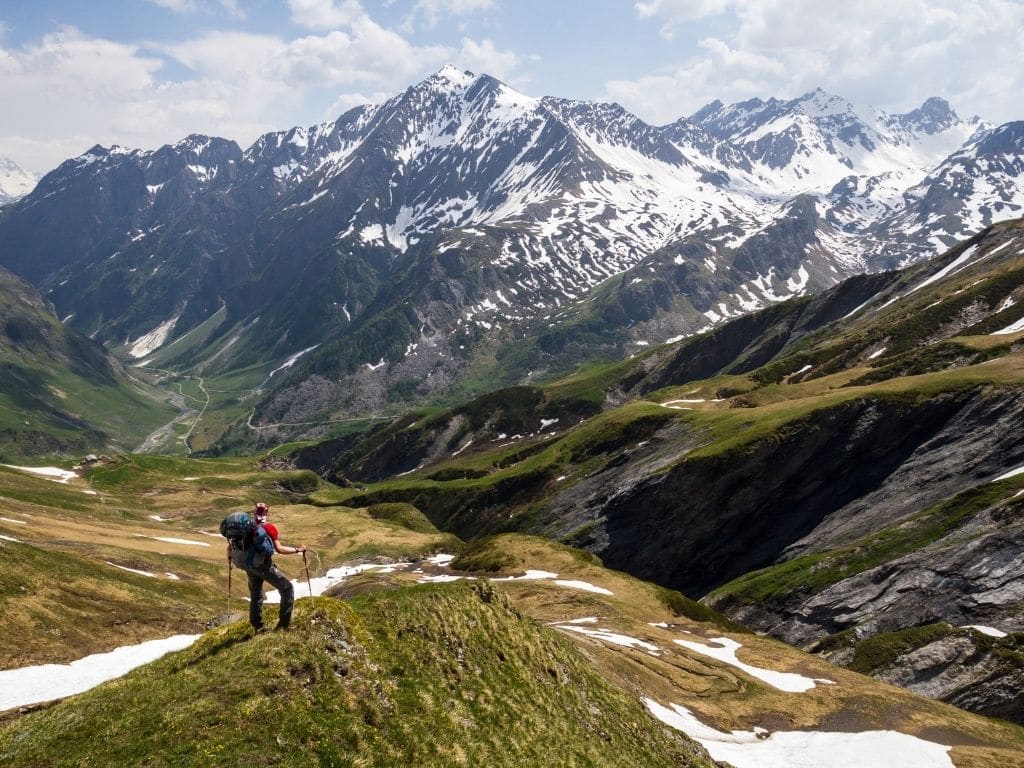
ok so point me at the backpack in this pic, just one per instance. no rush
(242, 531)
(238, 528)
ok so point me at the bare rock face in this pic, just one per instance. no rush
(969, 573)
(965, 670)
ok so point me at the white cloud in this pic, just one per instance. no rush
(676, 12)
(192, 6)
(325, 14)
(889, 53)
(427, 13)
(235, 84)
(484, 57)
(178, 6)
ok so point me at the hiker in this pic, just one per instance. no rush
(260, 567)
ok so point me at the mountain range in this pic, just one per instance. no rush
(462, 234)
(842, 471)
(802, 329)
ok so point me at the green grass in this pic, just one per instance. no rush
(435, 675)
(882, 650)
(404, 515)
(68, 602)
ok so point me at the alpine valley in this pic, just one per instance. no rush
(714, 425)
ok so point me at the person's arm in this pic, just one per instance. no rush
(281, 549)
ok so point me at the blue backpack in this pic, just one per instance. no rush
(242, 531)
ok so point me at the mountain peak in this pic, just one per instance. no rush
(451, 74)
(821, 103)
(15, 181)
(706, 111)
(934, 115)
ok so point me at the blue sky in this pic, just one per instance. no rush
(142, 73)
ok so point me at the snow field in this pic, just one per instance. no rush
(51, 473)
(805, 749)
(46, 682)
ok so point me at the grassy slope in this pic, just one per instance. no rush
(57, 583)
(439, 675)
(422, 675)
(59, 392)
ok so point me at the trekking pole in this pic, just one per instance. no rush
(229, 585)
(306, 565)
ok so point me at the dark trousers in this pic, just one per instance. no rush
(269, 572)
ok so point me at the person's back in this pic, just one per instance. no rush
(258, 563)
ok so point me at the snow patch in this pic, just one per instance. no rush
(611, 637)
(724, 649)
(990, 631)
(805, 749)
(172, 540)
(51, 473)
(46, 682)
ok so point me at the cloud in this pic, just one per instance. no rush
(231, 7)
(427, 13)
(325, 14)
(676, 12)
(484, 57)
(891, 54)
(226, 83)
(178, 6)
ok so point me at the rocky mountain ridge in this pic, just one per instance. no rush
(839, 470)
(423, 235)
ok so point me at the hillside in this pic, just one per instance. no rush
(861, 446)
(537, 650)
(61, 393)
(429, 676)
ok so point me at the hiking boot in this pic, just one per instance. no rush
(259, 630)
(281, 627)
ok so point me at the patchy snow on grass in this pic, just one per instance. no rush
(172, 540)
(12, 520)
(528, 576)
(160, 519)
(440, 578)
(320, 584)
(440, 559)
(50, 473)
(570, 583)
(131, 570)
(724, 649)
(45, 682)
(612, 637)
(805, 749)
(10, 538)
(584, 586)
(1012, 328)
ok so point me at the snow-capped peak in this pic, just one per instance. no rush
(15, 181)
(820, 103)
(452, 75)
